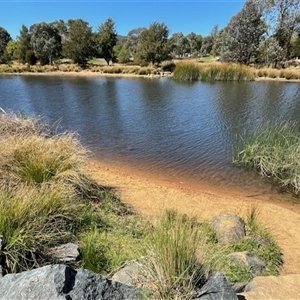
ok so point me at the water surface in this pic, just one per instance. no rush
(181, 132)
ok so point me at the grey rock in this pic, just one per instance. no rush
(249, 261)
(216, 288)
(56, 282)
(128, 274)
(228, 228)
(65, 253)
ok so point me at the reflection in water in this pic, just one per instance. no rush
(183, 131)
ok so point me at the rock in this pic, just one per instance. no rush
(228, 228)
(61, 282)
(66, 253)
(216, 288)
(128, 274)
(249, 261)
(273, 287)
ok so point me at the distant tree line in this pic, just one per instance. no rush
(264, 31)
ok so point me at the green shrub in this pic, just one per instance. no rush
(168, 66)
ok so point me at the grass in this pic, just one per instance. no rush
(273, 150)
(170, 263)
(46, 200)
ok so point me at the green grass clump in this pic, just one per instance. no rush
(225, 72)
(186, 71)
(171, 263)
(46, 200)
(273, 150)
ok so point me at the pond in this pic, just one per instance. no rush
(180, 132)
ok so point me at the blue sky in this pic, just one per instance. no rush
(197, 16)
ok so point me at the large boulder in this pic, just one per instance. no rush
(249, 261)
(216, 288)
(62, 282)
(228, 228)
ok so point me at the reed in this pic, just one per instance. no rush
(225, 72)
(272, 150)
(186, 71)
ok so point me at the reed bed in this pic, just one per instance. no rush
(273, 150)
(186, 71)
(225, 72)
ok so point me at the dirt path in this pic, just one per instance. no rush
(149, 196)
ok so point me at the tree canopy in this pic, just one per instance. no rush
(153, 46)
(4, 39)
(106, 39)
(78, 44)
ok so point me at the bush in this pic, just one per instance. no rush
(168, 66)
(30, 58)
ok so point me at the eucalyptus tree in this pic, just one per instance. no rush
(195, 41)
(125, 53)
(106, 39)
(242, 36)
(283, 17)
(208, 41)
(4, 40)
(153, 45)
(23, 44)
(78, 44)
(180, 44)
(46, 42)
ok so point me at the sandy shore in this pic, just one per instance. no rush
(149, 196)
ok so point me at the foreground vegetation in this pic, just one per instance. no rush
(273, 150)
(46, 200)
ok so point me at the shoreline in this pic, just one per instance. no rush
(149, 196)
(89, 73)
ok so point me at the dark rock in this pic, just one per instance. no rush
(228, 228)
(62, 282)
(216, 288)
(249, 261)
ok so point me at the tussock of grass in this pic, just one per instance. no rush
(225, 72)
(45, 199)
(273, 150)
(171, 264)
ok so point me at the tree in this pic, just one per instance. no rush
(243, 34)
(106, 39)
(4, 39)
(125, 54)
(153, 46)
(23, 44)
(180, 45)
(46, 42)
(78, 44)
(208, 41)
(10, 50)
(284, 20)
(195, 41)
